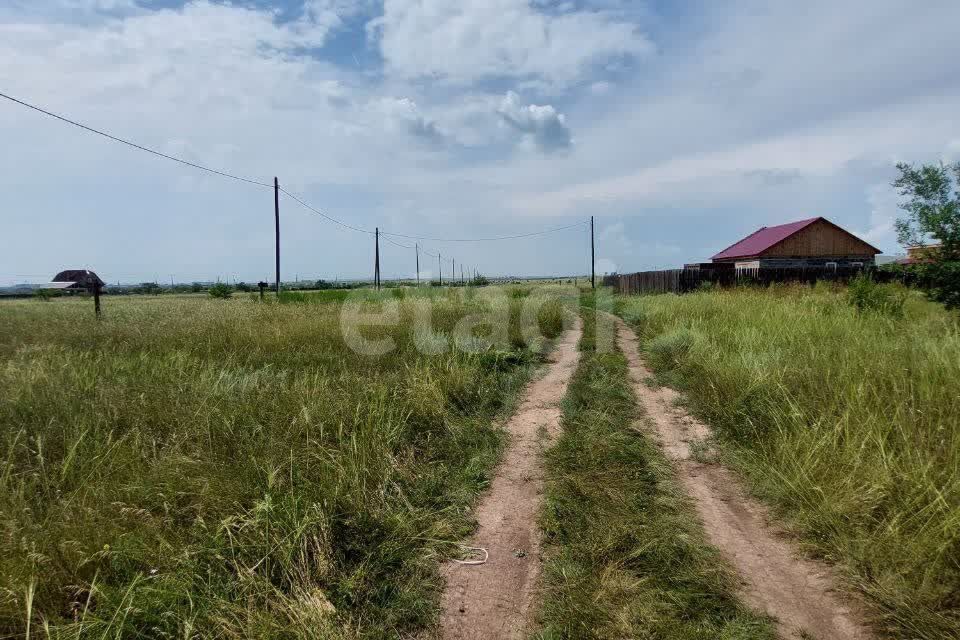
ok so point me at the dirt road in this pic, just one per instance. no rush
(495, 599)
(800, 593)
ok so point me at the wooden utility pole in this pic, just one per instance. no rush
(376, 258)
(593, 260)
(416, 247)
(276, 214)
(453, 278)
(440, 267)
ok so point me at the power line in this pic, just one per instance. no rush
(134, 144)
(324, 215)
(264, 184)
(398, 244)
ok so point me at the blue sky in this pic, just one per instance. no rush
(681, 126)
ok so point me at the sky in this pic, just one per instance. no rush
(680, 126)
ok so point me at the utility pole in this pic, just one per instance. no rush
(462, 281)
(453, 278)
(416, 247)
(376, 259)
(276, 212)
(593, 260)
(440, 267)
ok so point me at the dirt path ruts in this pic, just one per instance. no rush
(777, 580)
(494, 600)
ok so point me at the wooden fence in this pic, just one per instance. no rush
(684, 280)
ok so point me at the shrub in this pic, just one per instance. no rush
(941, 280)
(868, 296)
(46, 295)
(220, 290)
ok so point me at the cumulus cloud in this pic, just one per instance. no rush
(404, 114)
(464, 40)
(542, 125)
(729, 125)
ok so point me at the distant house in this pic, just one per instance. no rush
(814, 242)
(921, 254)
(77, 280)
(70, 281)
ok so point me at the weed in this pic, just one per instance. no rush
(198, 469)
(849, 422)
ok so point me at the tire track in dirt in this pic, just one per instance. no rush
(776, 579)
(494, 600)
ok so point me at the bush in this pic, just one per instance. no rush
(220, 290)
(46, 294)
(148, 289)
(868, 296)
(941, 281)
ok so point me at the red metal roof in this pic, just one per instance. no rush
(762, 239)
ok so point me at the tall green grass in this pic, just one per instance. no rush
(202, 468)
(625, 557)
(844, 414)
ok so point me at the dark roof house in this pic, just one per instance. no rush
(810, 242)
(79, 280)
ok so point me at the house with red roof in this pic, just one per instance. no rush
(814, 242)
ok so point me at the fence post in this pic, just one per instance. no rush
(96, 299)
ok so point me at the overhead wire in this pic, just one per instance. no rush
(324, 215)
(296, 199)
(134, 144)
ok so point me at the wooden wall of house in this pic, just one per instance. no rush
(820, 239)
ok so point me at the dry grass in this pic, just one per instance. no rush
(199, 468)
(845, 415)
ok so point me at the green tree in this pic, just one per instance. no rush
(932, 206)
(149, 288)
(46, 294)
(221, 290)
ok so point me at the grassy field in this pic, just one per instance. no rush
(846, 418)
(625, 558)
(192, 467)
